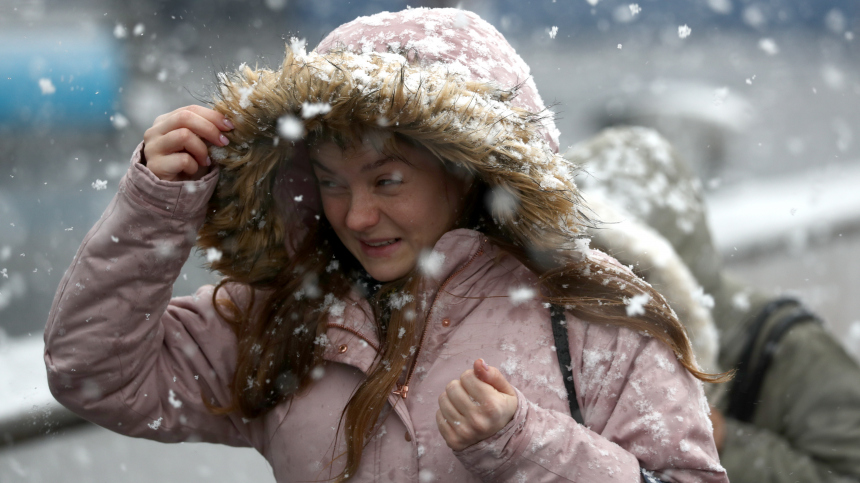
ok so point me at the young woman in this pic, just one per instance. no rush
(393, 223)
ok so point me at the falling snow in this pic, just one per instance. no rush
(430, 262)
(636, 304)
(684, 31)
(290, 127)
(46, 86)
(317, 373)
(213, 254)
(769, 46)
(119, 121)
(519, 295)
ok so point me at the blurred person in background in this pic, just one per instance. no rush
(424, 130)
(792, 412)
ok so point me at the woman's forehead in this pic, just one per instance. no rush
(367, 155)
(328, 151)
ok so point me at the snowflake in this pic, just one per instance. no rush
(174, 401)
(768, 46)
(312, 109)
(519, 295)
(636, 304)
(119, 121)
(213, 254)
(47, 86)
(430, 262)
(289, 127)
(156, 424)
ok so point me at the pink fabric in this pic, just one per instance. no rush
(121, 353)
(458, 38)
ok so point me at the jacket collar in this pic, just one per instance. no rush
(351, 336)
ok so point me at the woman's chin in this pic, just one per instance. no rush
(387, 274)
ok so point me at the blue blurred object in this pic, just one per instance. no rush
(62, 78)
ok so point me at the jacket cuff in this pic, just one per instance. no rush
(489, 458)
(177, 199)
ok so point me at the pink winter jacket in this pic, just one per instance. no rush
(122, 354)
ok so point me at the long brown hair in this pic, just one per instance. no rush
(279, 338)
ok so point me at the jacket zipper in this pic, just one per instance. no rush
(403, 390)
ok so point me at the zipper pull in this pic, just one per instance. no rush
(402, 391)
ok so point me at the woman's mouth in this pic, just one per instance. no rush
(380, 247)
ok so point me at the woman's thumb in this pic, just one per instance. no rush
(493, 377)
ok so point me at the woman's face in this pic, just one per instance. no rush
(385, 209)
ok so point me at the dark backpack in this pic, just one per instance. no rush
(751, 369)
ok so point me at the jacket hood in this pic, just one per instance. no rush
(642, 174)
(442, 77)
(653, 216)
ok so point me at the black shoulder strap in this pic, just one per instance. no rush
(562, 350)
(750, 375)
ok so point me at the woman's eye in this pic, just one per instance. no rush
(389, 182)
(324, 183)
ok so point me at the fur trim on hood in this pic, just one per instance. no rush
(442, 77)
(650, 208)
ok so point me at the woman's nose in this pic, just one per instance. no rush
(363, 212)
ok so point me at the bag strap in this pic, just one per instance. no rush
(562, 350)
(750, 374)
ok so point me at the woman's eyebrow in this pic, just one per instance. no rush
(367, 167)
(319, 165)
(371, 166)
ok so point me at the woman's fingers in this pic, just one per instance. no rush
(473, 406)
(206, 125)
(180, 140)
(180, 136)
(477, 389)
(213, 116)
(453, 426)
(447, 431)
(185, 164)
(460, 399)
(449, 411)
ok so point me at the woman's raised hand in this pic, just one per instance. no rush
(475, 407)
(175, 147)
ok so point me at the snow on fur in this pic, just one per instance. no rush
(473, 123)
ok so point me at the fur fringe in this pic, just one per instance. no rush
(464, 122)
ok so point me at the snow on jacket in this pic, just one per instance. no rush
(123, 354)
(807, 425)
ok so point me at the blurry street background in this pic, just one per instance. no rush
(761, 96)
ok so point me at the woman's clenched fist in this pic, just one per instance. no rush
(475, 407)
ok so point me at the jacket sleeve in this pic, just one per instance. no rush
(810, 431)
(118, 351)
(642, 409)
